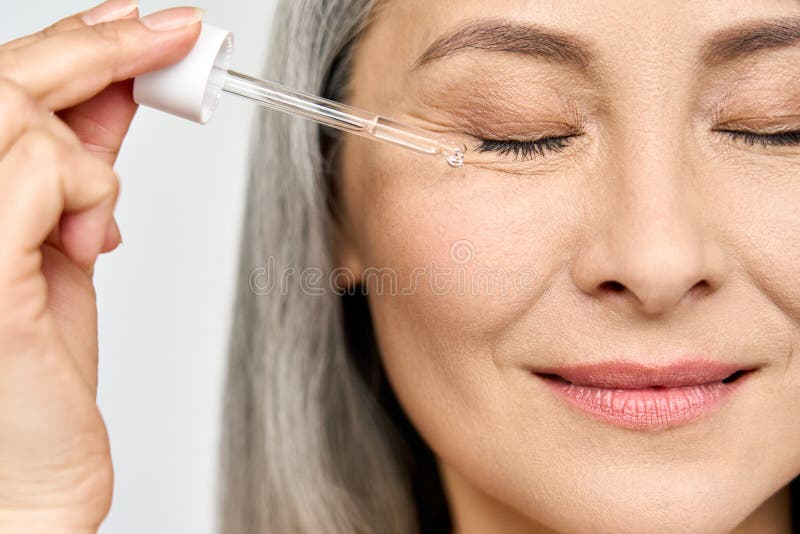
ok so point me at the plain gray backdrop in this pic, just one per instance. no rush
(165, 295)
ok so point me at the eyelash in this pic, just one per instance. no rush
(525, 149)
(765, 140)
(530, 149)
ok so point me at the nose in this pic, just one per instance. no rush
(648, 247)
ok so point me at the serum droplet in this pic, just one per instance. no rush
(456, 159)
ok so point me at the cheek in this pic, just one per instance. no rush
(452, 258)
(466, 250)
(753, 201)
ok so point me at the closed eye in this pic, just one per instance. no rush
(765, 140)
(526, 150)
(530, 149)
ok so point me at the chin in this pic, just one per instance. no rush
(647, 499)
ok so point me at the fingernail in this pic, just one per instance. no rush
(110, 10)
(174, 18)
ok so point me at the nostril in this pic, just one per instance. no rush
(612, 286)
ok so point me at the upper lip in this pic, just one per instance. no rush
(634, 375)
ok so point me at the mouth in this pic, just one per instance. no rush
(642, 397)
(610, 383)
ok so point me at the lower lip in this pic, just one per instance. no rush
(645, 408)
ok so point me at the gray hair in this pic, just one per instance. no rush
(308, 444)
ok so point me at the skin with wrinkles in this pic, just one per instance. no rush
(652, 235)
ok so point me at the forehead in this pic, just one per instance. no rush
(624, 32)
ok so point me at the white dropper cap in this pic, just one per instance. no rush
(191, 87)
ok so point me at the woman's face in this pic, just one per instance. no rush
(647, 230)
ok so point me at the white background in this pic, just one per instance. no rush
(165, 295)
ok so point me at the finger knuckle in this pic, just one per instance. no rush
(63, 25)
(109, 34)
(110, 185)
(42, 148)
(50, 31)
(10, 63)
(103, 180)
(14, 101)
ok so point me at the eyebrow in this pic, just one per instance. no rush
(561, 48)
(745, 40)
(514, 37)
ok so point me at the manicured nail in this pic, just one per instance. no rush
(174, 18)
(110, 10)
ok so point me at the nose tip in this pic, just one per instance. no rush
(652, 271)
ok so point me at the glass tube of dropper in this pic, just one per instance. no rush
(337, 115)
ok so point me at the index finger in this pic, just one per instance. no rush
(107, 11)
(72, 66)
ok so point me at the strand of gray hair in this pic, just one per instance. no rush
(304, 446)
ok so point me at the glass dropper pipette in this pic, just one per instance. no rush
(343, 117)
(191, 88)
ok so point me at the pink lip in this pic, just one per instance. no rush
(638, 396)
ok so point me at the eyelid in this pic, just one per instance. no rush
(777, 123)
(531, 133)
(726, 112)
